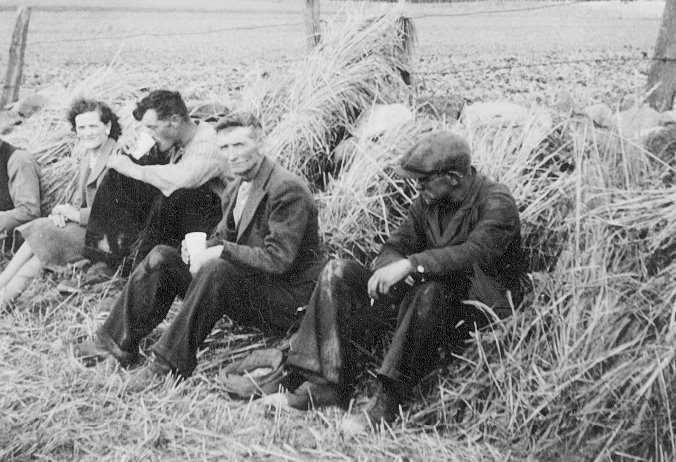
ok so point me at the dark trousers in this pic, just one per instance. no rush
(340, 322)
(218, 289)
(129, 216)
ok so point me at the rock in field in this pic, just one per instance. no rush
(440, 107)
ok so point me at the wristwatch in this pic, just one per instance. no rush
(420, 273)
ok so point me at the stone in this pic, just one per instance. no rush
(565, 102)
(494, 113)
(662, 143)
(210, 111)
(8, 120)
(381, 118)
(30, 104)
(639, 122)
(600, 114)
(440, 107)
(345, 150)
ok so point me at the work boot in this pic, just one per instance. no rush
(384, 405)
(148, 376)
(102, 348)
(316, 393)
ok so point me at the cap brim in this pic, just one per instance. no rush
(408, 174)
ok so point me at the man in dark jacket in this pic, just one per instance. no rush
(19, 188)
(259, 266)
(461, 241)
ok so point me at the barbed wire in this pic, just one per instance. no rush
(508, 10)
(269, 26)
(165, 34)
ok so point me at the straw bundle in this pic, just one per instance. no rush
(535, 163)
(367, 201)
(359, 62)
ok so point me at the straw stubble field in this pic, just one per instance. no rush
(584, 372)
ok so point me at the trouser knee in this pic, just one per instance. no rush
(217, 270)
(341, 270)
(161, 256)
(430, 299)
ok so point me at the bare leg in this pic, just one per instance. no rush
(19, 282)
(20, 258)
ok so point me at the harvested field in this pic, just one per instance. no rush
(585, 371)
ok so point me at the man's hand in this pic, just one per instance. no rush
(120, 163)
(127, 144)
(384, 278)
(63, 213)
(198, 260)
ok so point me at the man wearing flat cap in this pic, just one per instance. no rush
(460, 241)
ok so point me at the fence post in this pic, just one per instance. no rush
(312, 32)
(10, 91)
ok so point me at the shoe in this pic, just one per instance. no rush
(311, 395)
(100, 349)
(260, 373)
(383, 406)
(68, 287)
(148, 376)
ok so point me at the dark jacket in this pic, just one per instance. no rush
(484, 230)
(278, 232)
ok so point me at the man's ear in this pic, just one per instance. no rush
(175, 120)
(454, 178)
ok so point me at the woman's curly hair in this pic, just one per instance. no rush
(106, 114)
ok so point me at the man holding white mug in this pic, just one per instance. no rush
(168, 186)
(258, 267)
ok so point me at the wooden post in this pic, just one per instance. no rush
(663, 70)
(10, 91)
(312, 26)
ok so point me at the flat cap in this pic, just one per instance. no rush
(438, 151)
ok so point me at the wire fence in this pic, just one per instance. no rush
(437, 71)
(298, 24)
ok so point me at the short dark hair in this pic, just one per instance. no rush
(239, 119)
(166, 103)
(106, 114)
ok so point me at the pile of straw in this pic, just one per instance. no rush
(358, 63)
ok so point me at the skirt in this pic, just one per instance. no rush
(52, 245)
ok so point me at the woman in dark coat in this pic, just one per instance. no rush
(59, 239)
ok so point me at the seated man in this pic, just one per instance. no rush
(260, 265)
(19, 188)
(164, 114)
(461, 240)
(170, 191)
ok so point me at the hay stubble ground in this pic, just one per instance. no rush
(53, 408)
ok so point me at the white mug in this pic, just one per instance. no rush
(195, 243)
(143, 144)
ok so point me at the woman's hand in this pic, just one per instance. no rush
(63, 213)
